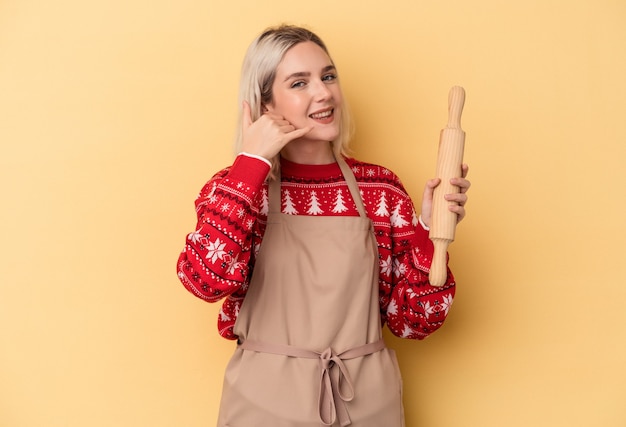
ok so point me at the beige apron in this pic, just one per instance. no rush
(311, 350)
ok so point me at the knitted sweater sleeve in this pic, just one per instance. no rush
(411, 307)
(217, 258)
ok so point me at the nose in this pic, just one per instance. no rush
(321, 92)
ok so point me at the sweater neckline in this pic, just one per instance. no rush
(298, 170)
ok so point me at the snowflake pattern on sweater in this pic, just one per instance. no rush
(218, 258)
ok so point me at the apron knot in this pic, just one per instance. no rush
(335, 389)
(335, 384)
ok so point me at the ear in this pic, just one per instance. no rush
(264, 109)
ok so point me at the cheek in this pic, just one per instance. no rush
(290, 106)
(337, 96)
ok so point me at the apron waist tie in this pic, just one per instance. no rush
(332, 399)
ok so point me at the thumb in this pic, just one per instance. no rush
(427, 200)
(429, 188)
(246, 115)
(299, 133)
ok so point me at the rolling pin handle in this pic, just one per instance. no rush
(456, 100)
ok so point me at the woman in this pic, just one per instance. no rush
(312, 251)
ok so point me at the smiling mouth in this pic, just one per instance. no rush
(323, 114)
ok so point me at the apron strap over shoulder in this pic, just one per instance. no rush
(332, 398)
(348, 175)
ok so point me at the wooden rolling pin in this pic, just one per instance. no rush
(449, 161)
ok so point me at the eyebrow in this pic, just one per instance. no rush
(307, 74)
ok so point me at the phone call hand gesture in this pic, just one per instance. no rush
(269, 134)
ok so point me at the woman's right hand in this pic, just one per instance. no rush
(268, 135)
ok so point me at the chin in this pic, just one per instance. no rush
(327, 135)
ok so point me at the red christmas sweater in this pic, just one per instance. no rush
(218, 258)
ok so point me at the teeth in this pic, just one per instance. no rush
(322, 114)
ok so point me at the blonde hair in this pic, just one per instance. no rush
(257, 78)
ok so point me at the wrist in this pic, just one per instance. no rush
(423, 224)
(249, 170)
(256, 156)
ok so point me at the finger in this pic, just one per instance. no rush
(464, 170)
(246, 115)
(459, 211)
(298, 133)
(459, 198)
(462, 183)
(284, 126)
(433, 183)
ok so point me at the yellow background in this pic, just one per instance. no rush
(113, 114)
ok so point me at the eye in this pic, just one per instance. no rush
(329, 77)
(297, 84)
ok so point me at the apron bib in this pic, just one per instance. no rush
(310, 348)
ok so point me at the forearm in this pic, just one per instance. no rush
(216, 259)
(416, 309)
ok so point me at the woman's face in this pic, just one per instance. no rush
(306, 92)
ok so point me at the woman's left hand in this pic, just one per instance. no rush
(459, 198)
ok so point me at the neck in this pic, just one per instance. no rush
(309, 152)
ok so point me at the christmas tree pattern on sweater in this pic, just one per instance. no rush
(232, 211)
